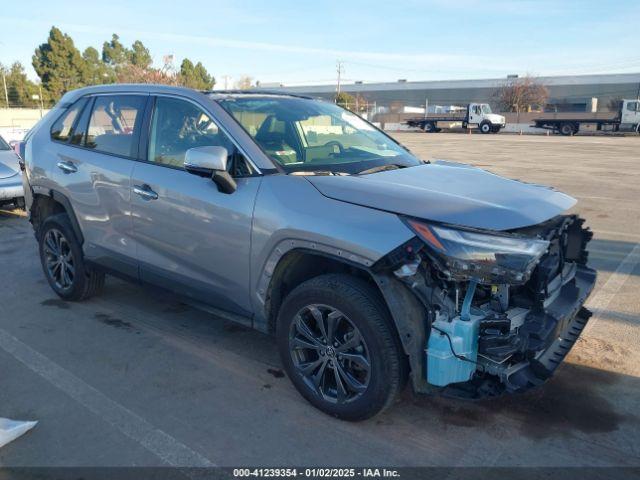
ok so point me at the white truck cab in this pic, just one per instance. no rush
(630, 115)
(480, 114)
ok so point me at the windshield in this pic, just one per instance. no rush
(4, 145)
(304, 135)
(486, 108)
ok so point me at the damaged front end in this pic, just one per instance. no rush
(501, 309)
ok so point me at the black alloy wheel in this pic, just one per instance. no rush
(329, 353)
(339, 346)
(58, 259)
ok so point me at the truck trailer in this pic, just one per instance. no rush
(626, 119)
(474, 115)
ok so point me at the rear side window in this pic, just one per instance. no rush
(115, 124)
(62, 128)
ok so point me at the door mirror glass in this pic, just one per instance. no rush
(206, 160)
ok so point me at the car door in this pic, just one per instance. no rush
(95, 159)
(190, 237)
(630, 113)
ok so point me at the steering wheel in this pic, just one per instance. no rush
(335, 143)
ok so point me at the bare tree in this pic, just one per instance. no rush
(521, 94)
(244, 83)
(614, 104)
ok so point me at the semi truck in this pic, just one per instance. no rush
(474, 115)
(626, 119)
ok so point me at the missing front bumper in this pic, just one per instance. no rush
(571, 318)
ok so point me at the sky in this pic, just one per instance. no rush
(298, 42)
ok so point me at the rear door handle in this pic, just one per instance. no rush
(67, 167)
(145, 192)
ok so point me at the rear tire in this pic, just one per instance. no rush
(63, 262)
(353, 383)
(567, 129)
(429, 128)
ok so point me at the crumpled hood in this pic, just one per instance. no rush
(450, 193)
(8, 164)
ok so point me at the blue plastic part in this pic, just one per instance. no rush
(443, 366)
(466, 304)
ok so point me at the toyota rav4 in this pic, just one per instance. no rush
(298, 218)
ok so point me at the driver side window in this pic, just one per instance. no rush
(177, 126)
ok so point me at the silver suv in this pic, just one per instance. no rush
(299, 218)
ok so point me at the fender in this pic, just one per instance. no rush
(407, 313)
(66, 205)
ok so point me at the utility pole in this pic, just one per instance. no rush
(6, 95)
(340, 70)
(41, 101)
(226, 81)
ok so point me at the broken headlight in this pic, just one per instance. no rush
(487, 257)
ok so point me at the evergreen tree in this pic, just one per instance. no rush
(59, 64)
(19, 88)
(114, 53)
(97, 72)
(195, 76)
(139, 55)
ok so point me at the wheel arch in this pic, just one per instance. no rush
(50, 202)
(408, 315)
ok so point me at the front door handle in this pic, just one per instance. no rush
(145, 192)
(67, 167)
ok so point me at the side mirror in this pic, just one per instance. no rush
(210, 162)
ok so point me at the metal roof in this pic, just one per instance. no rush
(566, 80)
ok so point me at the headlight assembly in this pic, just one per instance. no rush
(488, 258)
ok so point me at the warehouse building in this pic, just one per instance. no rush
(566, 93)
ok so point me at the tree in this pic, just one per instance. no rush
(345, 100)
(245, 82)
(521, 94)
(114, 53)
(135, 74)
(195, 76)
(97, 72)
(20, 89)
(139, 55)
(614, 104)
(59, 64)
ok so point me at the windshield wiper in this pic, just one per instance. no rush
(317, 172)
(380, 168)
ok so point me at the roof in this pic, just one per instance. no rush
(601, 79)
(254, 92)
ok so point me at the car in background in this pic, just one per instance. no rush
(11, 191)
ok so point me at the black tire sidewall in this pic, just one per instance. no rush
(61, 223)
(482, 127)
(382, 377)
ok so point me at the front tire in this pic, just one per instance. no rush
(339, 348)
(485, 127)
(63, 262)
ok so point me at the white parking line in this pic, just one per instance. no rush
(161, 444)
(600, 301)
